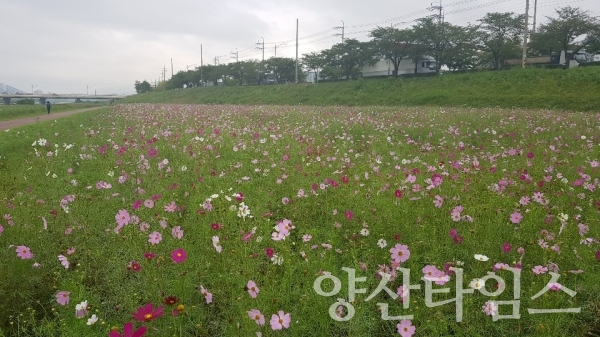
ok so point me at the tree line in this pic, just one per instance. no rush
(496, 38)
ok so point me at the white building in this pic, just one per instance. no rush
(426, 64)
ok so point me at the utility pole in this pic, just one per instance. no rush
(171, 67)
(236, 55)
(534, 15)
(263, 47)
(525, 34)
(440, 17)
(296, 50)
(276, 48)
(342, 28)
(201, 54)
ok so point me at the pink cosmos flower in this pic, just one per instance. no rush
(62, 297)
(155, 238)
(490, 308)
(147, 313)
(257, 316)
(400, 253)
(280, 321)
(539, 270)
(405, 328)
(122, 217)
(252, 289)
(149, 203)
(215, 241)
(177, 232)
(24, 252)
(554, 286)
(349, 215)
(63, 260)
(506, 247)
(516, 217)
(171, 207)
(438, 202)
(144, 226)
(429, 272)
(179, 255)
(128, 331)
(207, 295)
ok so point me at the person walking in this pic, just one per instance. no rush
(48, 106)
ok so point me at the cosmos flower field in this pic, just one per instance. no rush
(198, 220)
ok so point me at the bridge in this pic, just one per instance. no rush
(43, 97)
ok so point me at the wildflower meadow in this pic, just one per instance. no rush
(223, 220)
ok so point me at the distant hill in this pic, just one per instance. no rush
(9, 89)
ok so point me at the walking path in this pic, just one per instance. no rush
(4, 125)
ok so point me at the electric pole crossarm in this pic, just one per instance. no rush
(343, 29)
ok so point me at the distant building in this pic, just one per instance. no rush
(426, 64)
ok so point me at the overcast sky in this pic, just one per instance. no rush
(78, 46)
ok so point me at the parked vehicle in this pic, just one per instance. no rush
(268, 78)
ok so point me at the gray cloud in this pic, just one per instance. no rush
(69, 46)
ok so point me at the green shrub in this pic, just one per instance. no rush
(26, 101)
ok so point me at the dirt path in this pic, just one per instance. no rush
(4, 125)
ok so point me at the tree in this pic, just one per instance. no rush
(461, 51)
(431, 35)
(181, 79)
(212, 73)
(283, 68)
(392, 44)
(314, 61)
(245, 71)
(571, 31)
(142, 87)
(499, 37)
(346, 59)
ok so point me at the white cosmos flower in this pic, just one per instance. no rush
(92, 319)
(476, 283)
(481, 257)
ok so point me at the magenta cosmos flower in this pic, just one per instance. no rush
(280, 321)
(62, 297)
(178, 255)
(147, 313)
(400, 253)
(128, 331)
(24, 252)
(252, 289)
(270, 252)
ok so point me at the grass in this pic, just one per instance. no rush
(9, 112)
(348, 178)
(574, 89)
